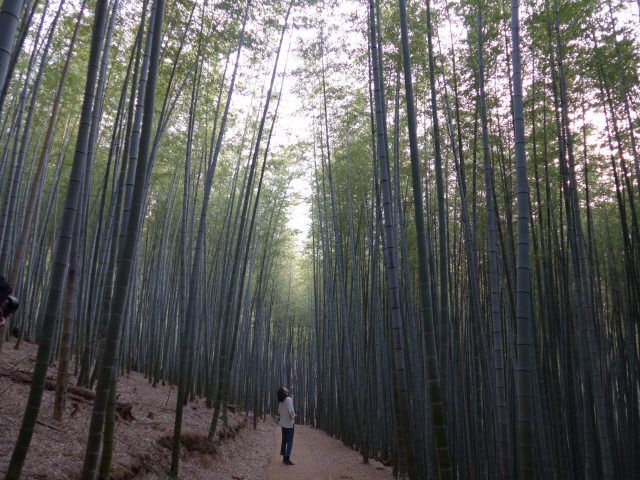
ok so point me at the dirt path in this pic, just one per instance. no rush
(57, 449)
(317, 456)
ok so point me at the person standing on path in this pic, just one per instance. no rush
(287, 418)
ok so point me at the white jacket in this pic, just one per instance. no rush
(287, 415)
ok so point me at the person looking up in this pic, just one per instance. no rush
(287, 419)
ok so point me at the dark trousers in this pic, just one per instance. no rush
(287, 441)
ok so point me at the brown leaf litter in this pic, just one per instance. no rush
(144, 435)
(144, 427)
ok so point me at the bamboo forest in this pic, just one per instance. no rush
(420, 215)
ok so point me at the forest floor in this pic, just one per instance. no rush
(317, 456)
(144, 430)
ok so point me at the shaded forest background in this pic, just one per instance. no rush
(463, 301)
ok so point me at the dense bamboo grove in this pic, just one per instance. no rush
(456, 327)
